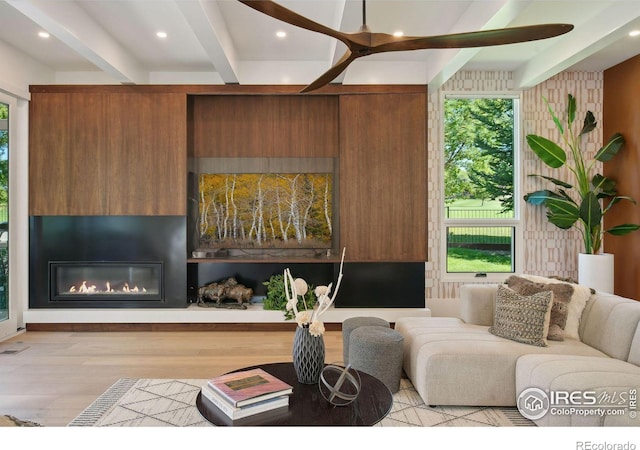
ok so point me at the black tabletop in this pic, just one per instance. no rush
(307, 406)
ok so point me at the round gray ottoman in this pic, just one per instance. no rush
(377, 351)
(350, 324)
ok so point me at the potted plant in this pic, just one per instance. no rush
(276, 298)
(577, 202)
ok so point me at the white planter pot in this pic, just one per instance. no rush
(596, 271)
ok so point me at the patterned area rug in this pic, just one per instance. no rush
(171, 403)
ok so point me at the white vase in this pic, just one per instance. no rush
(596, 271)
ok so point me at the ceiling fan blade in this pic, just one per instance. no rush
(330, 74)
(484, 38)
(273, 9)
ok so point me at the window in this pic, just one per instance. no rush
(481, 226)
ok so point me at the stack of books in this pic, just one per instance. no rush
(248, 392)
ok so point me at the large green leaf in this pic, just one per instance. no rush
(555, 181)
(611, 149)
(548, 151)
(571, 109)
(562, 194)
(538, 197)
(621, 230)
(554, 117)
(604, 184)
(624, 197)
(616, 199)
(562, 212)
(590, 210)
(589, 123)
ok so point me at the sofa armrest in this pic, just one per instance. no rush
(477, 302)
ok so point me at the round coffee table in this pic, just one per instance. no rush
(307, 406)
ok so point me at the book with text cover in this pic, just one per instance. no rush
(249, 386)
(235, 413)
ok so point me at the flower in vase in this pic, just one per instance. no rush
(298, 287)
(316, 328)
(301, 286)
(321, 290)
(303, 317)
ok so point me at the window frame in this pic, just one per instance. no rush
(515, 222)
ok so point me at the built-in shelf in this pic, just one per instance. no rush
(266, 259)
(255, 313)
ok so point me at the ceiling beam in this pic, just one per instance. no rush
(343, 22)
(207, 23)
(70, 24)
(600, 31)
(479, 16)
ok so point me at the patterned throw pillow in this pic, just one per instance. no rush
(522, 318)
(562, 294)
(579, 299)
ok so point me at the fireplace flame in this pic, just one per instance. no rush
(92, 289)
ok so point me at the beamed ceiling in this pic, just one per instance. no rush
(226, 42)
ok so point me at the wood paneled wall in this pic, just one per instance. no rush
(383, 170)
(266, 126)
(67, 165)
(122, 150)
(621, 114)
(106, 153)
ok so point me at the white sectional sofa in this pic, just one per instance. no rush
(458, 361)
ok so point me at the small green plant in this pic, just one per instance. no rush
(276, 300)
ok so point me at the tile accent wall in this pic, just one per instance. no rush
(547, 249)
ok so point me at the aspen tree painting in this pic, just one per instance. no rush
(265, 210)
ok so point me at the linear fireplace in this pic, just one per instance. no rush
(111, 281)
(107, 262)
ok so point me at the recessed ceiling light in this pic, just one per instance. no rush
(281, 34)
(634, 33)
(161, 34)
(398, 33)
(43, 34)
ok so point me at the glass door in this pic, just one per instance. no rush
(7, 316)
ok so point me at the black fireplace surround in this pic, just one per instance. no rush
(107, 262)
(141, 262)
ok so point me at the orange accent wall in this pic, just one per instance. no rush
(622, 114)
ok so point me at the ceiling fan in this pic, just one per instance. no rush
(364, 42)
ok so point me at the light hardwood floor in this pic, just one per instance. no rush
(50, 377)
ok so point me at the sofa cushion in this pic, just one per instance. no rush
(609, 323)
(579, 299)
(562, 294)
(522, 318)
(464, 364)
(477, 303)
(609, 377)
(634, 351)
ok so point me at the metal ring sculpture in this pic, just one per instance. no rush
(339, 385)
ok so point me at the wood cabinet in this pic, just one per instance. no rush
(268, 126)
(383, 176)
(122, 150)
(107, 153)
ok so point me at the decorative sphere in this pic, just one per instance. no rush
(339, 385)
